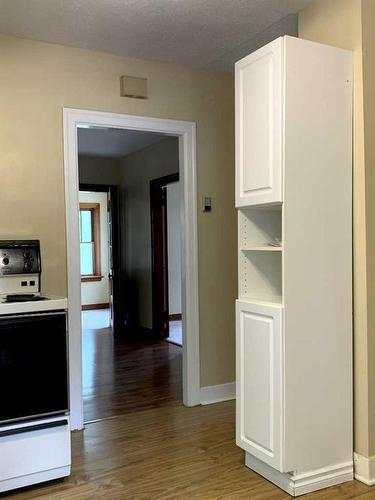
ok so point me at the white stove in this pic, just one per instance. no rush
(34, 410)
(20, 279)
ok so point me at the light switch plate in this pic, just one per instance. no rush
(207, 204)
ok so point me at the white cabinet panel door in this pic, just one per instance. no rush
(259, 126)
(259, 381)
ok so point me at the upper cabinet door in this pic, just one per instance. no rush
(259, 127)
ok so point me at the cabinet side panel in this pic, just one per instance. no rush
(317, 255)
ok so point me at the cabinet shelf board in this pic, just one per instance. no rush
(274, 207)
(266, 248)
(276, 301)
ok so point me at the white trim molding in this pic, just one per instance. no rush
(297, 484)
(217, 393)
(186, 132)
(364, 469)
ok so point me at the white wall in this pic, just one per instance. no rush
(174, 247)
(97, 292)
(137, 170)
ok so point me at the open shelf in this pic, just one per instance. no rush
(260, 275)
(257, 228)
(259, 263)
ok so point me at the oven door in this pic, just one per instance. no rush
(33, 365)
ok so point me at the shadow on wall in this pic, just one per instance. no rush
(130, 310)
(129, 304)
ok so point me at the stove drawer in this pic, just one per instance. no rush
(34, 447)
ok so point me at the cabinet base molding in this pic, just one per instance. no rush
(217, 393)
(364, 469)
(35, 478)
(306, 482)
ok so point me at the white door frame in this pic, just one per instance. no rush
(186, 131)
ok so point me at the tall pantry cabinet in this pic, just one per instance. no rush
(294, 311)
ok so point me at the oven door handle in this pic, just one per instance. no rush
(21, 317)
(36, 427)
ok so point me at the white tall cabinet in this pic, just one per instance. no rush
(294, 311)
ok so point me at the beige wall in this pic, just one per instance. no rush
(368, 37)
(37, 81)
(339, 23)
(137, 169)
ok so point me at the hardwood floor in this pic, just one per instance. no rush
(157, 449)
(122, 376)
(169, 453)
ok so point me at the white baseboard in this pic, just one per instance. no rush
(300, 484)
(364, 469)
(216, 393)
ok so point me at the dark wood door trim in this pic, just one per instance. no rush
(93, 307)
(116, 262)
(175, 317)
(159, 254)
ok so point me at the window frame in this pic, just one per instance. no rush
(94, 208)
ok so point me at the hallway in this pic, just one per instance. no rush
(121, 377)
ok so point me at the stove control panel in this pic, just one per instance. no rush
(19, 257)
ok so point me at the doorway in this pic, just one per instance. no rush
(185, 131)
(100, 253)
(166, 258)
(133, 368)
(100, 296)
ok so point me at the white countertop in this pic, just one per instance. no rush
(52, 304)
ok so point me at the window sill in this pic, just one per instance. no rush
(91, 278)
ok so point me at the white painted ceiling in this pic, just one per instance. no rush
(114, 143)
(209, 34)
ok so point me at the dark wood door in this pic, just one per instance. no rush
(159, 251)
(113, 256)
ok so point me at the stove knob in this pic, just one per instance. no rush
(5, 261)
(28, 266)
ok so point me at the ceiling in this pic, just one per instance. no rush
(114, 143)
(210, 34)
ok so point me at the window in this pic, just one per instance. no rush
(89, 234)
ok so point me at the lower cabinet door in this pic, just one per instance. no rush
(259, 381)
